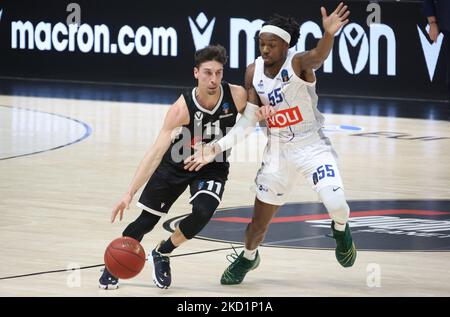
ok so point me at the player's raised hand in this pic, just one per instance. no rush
(333, 22)
(205, 153)
(120, 207)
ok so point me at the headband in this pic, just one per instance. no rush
(277, 31)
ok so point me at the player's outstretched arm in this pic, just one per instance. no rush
(176, 116)
(314, 58)
(246, 101)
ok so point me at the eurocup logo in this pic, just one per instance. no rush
(354, 35)
(226, 107)
(201, 30)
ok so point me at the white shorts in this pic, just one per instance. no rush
(283, 163)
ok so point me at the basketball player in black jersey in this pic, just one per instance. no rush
(200, 115)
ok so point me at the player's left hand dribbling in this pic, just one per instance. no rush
(120, 207)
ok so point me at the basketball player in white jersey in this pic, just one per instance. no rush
(285, 80)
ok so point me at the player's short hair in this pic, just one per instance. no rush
(211, 53)
(288, 24)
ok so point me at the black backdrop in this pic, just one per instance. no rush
(409, 78)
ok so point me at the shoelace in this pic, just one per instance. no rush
(162, 257)
(234, 262)
(232, 256)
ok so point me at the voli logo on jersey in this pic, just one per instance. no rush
(285, 118)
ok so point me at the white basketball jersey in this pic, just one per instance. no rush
(294, 99)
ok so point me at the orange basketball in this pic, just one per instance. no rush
(124, 257)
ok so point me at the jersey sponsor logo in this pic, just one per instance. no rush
(376, 225)
(225, 115)
(198, 117)
(260, 88)
(261, 84)
(285, 118)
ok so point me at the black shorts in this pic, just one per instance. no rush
(168, 182)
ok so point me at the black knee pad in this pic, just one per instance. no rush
(203, 207)
(141, 226)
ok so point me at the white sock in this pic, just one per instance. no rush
(339, 226)
(250, 254)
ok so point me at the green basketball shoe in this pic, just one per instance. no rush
(235, 273)
(345, 248)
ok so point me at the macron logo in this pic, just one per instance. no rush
(354, 34)
(201, 31)
(430, 50)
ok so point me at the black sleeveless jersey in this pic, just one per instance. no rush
(204, 126)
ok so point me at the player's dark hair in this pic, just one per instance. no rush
(288, 24)
(211, 53)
